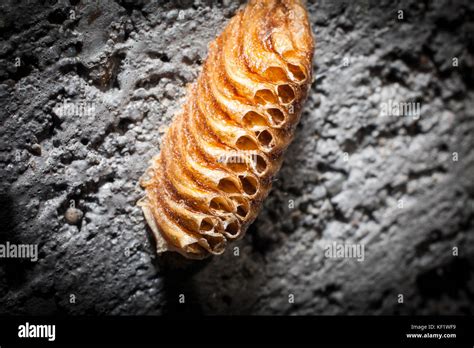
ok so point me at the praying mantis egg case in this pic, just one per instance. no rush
(223, 148)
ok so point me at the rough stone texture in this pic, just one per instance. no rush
(353, 175)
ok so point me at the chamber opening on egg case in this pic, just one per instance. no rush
(242, 211)
(253, 119)
(264, 96)
(206, 224)
(265, 138)
(221, 203)
(233, 228)
(276, 115)
(286, 93)
(214, 241)
(246, 143)
(261, 164)
(297, 72)
(242, 206)
(228, 185)
(275, 74)
(249, 184)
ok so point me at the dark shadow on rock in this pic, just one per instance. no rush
(14, 269)
(177, 273)
(449, 279)
(7, 222)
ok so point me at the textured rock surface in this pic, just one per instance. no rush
(97, 84)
